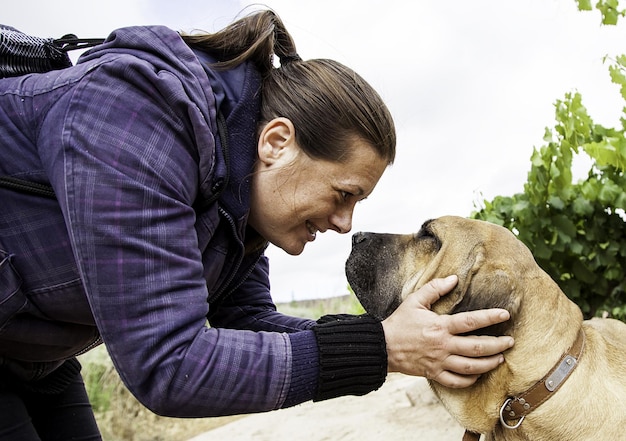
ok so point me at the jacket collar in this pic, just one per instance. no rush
(238, 99)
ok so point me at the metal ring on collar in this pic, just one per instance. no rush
(502, 420)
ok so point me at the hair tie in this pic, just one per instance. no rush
(286, 59)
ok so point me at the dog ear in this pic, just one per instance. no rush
(497, 290)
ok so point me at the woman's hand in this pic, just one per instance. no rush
(421, 342)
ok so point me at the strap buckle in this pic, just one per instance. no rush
(503, 421)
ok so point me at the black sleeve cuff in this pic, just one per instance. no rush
(352, 355)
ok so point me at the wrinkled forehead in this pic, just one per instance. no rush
(469, 243)
(461, 235)
(442, 246)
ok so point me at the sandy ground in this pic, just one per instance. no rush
(404, 408)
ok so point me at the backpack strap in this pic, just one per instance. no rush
(21, 54)
(71, 42)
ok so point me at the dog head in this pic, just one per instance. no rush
(383, 269)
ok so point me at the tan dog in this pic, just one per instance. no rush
(495, 269)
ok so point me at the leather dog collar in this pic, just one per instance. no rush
(471, 436)
(516, 408)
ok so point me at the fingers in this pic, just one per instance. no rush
(472, 366)
(433, 290)
(420, 342)
(463, 372)
(454, 381)
(471, 357)
(465, 322)
(479, 346)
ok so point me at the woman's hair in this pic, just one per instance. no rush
(328, 103)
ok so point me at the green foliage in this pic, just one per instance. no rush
(97, 374)
(609, 9)
(314, 309)
(576, 231)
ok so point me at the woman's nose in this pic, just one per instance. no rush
(341, 220)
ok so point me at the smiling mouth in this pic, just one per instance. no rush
(312, 230)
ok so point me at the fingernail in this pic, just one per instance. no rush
(451, 279)
(504, 315)
(501, 359)
(511, 342)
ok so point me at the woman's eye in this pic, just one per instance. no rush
(345, 195)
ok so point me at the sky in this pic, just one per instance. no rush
(471, 85)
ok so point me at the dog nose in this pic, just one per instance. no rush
(359, 237)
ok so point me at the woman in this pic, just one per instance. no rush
(175, 160)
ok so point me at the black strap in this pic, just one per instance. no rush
(71, 42)
(21, 54)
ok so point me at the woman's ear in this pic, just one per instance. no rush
(277, 142)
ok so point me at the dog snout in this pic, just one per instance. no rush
(360, 237)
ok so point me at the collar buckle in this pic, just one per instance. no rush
(507, 408)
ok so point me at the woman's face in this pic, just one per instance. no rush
(294, 197)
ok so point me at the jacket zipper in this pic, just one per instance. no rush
(96, 342)
(28, 187)
(222, 293)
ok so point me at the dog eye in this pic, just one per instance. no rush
(423, 234)
(425, 231)
(426, 236)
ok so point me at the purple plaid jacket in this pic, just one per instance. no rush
(129, 142)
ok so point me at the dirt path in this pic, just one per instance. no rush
(404, 409)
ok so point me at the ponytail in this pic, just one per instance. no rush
(257, 37)
(328, 103)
